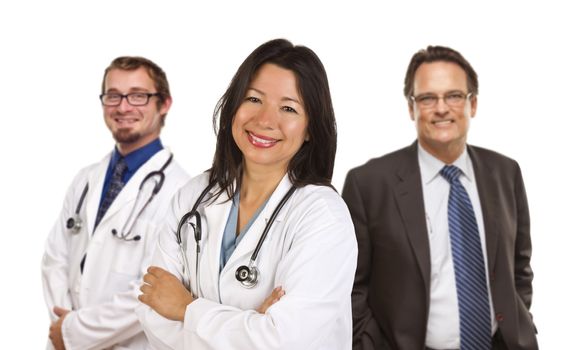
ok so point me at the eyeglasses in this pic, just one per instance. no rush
(452, 99)
(134, 98)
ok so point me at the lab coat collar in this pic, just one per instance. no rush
(96, 181)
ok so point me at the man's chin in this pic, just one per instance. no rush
(126, 136)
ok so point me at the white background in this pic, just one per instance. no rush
(53, 54)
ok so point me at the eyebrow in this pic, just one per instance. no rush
(285, 98)
(131, 90)
(445, 93)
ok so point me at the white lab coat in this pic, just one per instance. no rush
(310, 251)
(104, 297)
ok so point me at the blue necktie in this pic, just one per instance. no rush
(115, 186)
(469, 269)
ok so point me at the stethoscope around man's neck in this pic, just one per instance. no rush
(74, 223)
(247, 275)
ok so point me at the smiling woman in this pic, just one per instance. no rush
(270, 125)
(276, 142)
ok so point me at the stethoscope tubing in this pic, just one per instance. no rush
(158, 185)
(81, 200)
(270, 223)
(197, 235)
(74, 223)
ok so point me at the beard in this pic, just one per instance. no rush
(126, 136)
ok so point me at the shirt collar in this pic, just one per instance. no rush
(138, 157)
(430, 166)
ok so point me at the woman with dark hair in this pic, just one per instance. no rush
(266, 257)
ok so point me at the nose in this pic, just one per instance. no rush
(265, 116)
(125, 106)
(441, 106)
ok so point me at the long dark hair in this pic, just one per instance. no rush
(314, 162)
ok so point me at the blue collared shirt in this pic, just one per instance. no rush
(134, 161)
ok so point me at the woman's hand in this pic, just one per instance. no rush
(273, 298)
(165, 294)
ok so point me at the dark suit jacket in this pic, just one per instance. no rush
(390, 299)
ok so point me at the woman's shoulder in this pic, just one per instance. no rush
(191, 190)
(320, 197)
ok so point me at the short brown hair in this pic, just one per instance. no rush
(435, 54)
(155, 72)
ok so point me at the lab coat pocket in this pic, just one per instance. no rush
(120, 282)
(129, 253)
(126, 264)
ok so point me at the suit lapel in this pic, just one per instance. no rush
(486, 178)
(409, 198)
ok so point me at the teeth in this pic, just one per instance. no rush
(126, 120)
(260, 140)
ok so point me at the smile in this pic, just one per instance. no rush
(126, 121)
(261, 141)
(443, 122)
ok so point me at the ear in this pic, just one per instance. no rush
(166, 106)
(307, 137)
(411, 109)
(473, 105)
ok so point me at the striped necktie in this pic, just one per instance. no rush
(469, 269)
(115, 186)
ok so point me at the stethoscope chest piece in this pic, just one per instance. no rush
(247, 276)
(74, 224)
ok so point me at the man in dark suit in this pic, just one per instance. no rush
(444, 260)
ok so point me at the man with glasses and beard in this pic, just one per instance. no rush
(101, 242)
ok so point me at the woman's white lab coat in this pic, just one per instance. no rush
(310, 251)
(103, 298)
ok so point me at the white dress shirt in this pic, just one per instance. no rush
(443, 328)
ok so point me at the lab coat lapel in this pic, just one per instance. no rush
(130, 191)
(486, 180)
(95, 188)
(409, 198)
(216, 214)
(247, 245)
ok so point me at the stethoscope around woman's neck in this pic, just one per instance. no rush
(247, 275)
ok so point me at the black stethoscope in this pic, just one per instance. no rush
(74, 223)
(247, 275)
